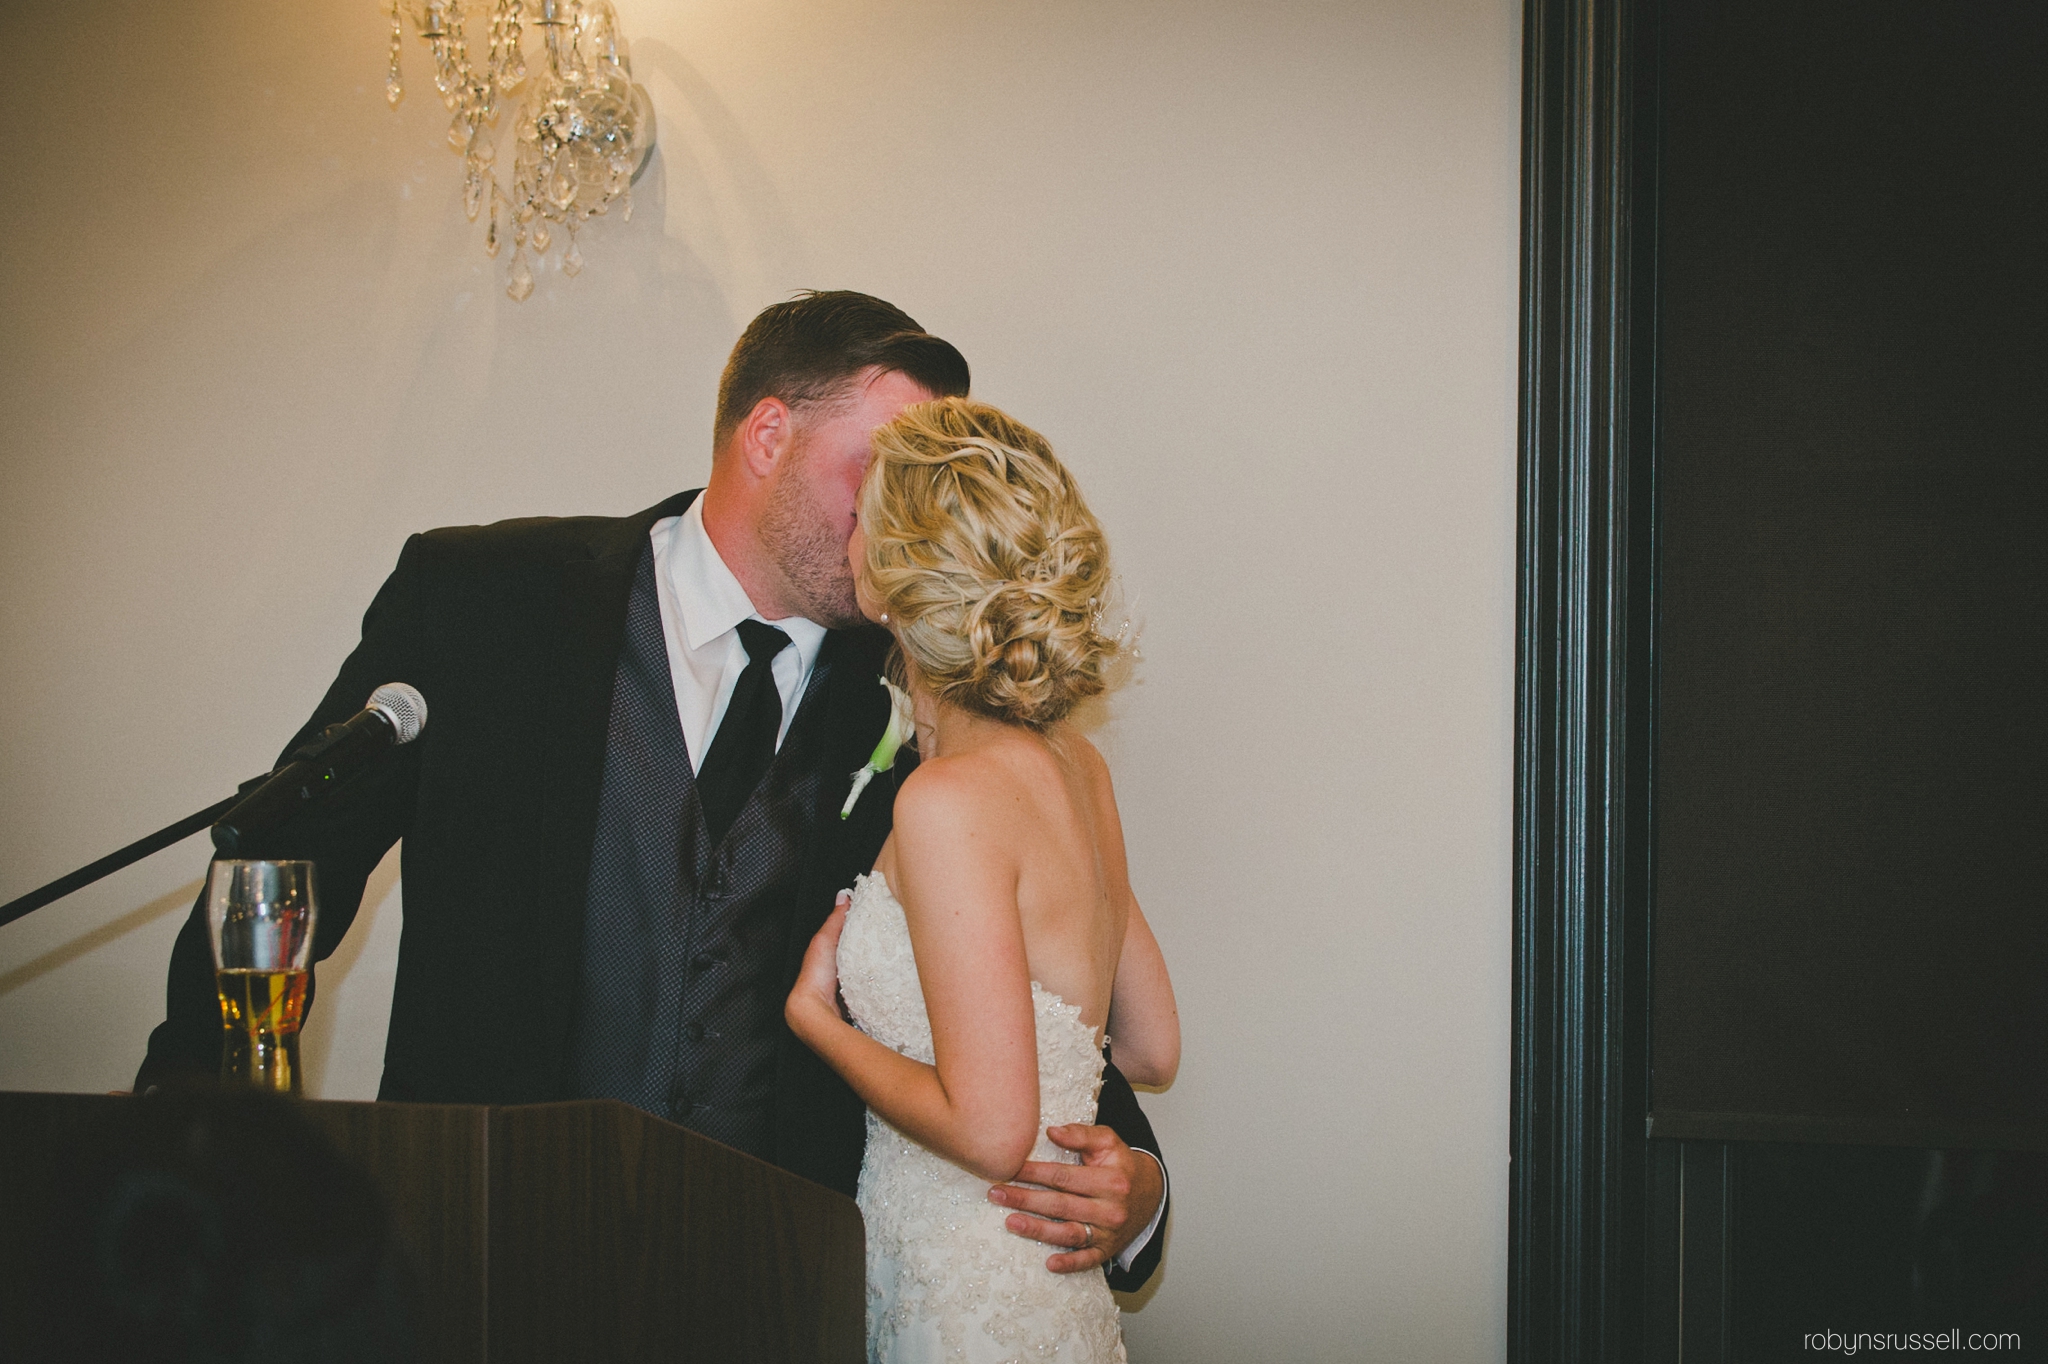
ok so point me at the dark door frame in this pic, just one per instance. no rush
(1585, 1183)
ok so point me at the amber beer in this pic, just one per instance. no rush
(261, 919)
(260, 1012)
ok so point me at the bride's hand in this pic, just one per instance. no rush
(815, 997)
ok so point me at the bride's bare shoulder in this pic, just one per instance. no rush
(986, 783)
(1085, 755)
(945, 790)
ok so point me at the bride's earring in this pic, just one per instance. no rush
(885, 618)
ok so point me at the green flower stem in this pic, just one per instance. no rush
(901, 727)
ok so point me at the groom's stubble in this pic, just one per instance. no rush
(807, 515)
(800, 530)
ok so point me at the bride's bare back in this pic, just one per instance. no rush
(1040, 804)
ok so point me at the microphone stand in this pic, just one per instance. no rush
(394, 716)
(134, 852)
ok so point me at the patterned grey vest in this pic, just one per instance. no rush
(679, 1007)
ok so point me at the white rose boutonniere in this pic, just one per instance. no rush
(901, 727)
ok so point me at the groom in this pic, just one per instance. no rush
(621, 825)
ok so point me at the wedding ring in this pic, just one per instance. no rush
(1088, 1229)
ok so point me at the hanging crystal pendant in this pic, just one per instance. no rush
(394, 83)
(572, 256)
(520, 285)
(541, 237)
(498, 207)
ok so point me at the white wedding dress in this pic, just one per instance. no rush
(946, 1280)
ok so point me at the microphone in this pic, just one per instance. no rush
(395, 714)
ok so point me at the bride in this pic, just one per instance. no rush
(996, 945)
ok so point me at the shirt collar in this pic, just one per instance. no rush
(711, 598)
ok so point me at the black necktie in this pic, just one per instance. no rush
(745, 742)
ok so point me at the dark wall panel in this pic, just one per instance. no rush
(1851, 852)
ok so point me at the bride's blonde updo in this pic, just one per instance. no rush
(991, 567)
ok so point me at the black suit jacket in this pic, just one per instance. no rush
(512, 633)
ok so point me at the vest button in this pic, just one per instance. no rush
(694, 1031)
(704, 961)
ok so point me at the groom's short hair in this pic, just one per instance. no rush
(806, 350)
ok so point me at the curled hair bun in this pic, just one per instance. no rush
(989, 562)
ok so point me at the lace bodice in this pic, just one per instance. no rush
(946, 1279)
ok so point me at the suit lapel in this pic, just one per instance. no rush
(817, 1118)
(590, 624)
(856, 713)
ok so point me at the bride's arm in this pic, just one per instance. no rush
(1144, 1023)
(957, 882)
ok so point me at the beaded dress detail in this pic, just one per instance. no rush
(946, 1280)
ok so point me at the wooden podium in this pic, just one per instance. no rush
(555, 1232)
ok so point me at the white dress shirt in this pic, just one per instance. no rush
(702, 605)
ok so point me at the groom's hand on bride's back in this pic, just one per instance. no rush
(1093, 1209)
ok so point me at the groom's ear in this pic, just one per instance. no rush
(765, 437)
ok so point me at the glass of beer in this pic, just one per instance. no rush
(260, 915)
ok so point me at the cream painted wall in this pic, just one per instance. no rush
(1252, 268)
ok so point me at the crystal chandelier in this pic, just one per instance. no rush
(581, 133)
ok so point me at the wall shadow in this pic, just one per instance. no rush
(179, 900)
